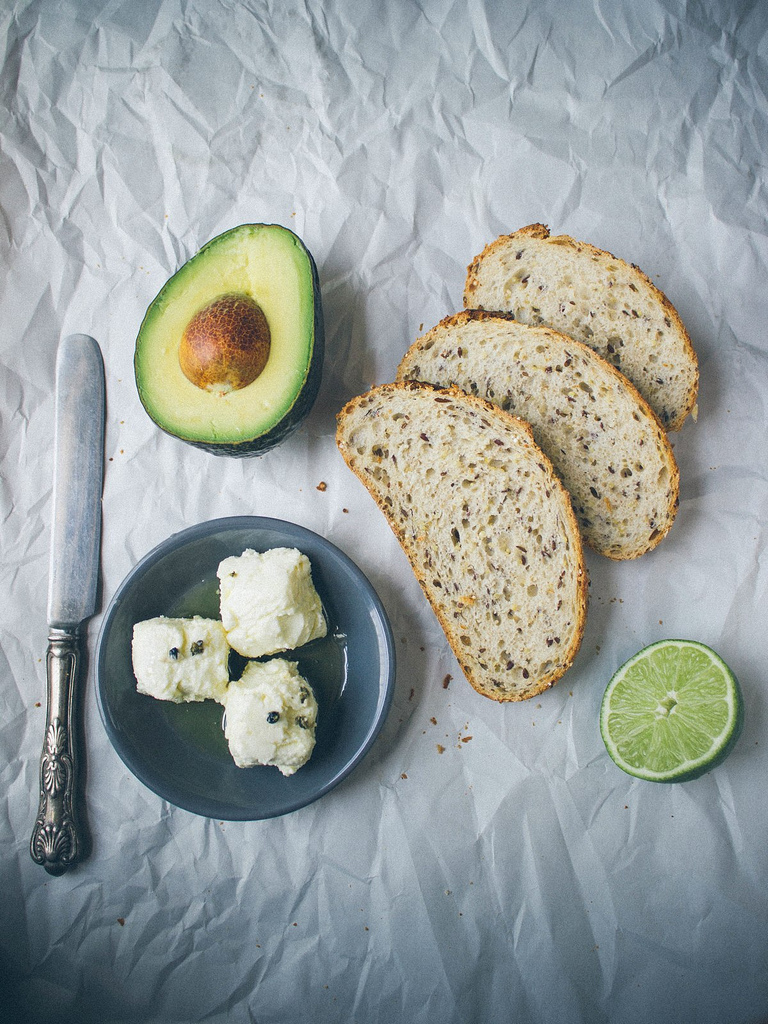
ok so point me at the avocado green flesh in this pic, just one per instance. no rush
(271, 265)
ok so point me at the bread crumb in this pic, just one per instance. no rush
(440, 748)
(322, 486)
(447, 681)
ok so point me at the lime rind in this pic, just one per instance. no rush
(671, 712)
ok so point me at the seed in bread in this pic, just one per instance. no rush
(603, 439)
(486, 524)
(598, 299)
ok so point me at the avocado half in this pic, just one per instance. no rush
(265, 265)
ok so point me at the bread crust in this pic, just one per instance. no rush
(650, 430)
(567, 653)
(673, 420)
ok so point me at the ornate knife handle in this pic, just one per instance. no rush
(55, 840)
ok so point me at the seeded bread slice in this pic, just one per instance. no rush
(597, 299)
(602, 438)
(487, 526)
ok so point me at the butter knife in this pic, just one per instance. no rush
(58, 836)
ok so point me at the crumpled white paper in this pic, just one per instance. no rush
(485, 862)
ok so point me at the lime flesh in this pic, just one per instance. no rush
(672, 712)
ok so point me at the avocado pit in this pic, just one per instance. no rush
(226, 344)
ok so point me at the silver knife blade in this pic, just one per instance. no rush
(78, 471)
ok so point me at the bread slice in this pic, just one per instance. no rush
(597, 299)
(602, 438)
(487, 526)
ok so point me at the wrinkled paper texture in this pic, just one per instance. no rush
(485, 862)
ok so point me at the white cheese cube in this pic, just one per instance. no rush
(180, 659)
(268, 602)
(270, 716)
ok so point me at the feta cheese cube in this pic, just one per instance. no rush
(180, 659)
(270, 716)
(268, 602)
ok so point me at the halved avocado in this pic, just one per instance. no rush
(229, 354)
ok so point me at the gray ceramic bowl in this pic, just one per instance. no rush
(179, 750)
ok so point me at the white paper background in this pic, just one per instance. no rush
(518, 876)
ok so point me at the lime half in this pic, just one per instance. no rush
(672, 712)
